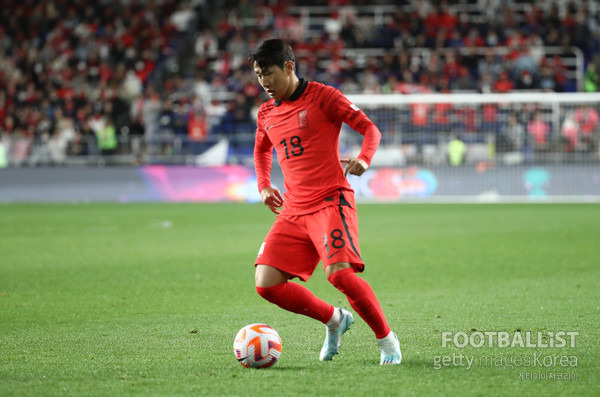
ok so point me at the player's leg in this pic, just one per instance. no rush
(361, 297)
(272, 284)
(335, 231)
(288, 252)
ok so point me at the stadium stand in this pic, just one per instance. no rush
(146, 81)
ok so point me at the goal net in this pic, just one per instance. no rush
(497, 147)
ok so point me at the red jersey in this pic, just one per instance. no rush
(305, 130)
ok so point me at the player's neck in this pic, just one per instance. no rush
(294, 84)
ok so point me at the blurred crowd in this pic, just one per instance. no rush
(162, 76)
(72, 73)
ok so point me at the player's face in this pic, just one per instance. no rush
(276, 82)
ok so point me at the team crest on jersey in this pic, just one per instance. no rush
(303, 119)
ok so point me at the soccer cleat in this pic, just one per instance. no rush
(331, 346)
(395, 357)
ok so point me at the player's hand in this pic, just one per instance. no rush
(272, 198)
(354, 166)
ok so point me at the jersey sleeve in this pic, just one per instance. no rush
(340, 108)
(263, 155)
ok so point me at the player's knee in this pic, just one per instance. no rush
(269, 282)
(270, 294)
(263, 292)
(332, 269)
(267, 276)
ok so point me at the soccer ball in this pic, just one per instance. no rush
(257, 346)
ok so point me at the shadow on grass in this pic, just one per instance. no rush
(366, 362)
(407, 363)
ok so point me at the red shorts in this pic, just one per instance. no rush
(296, 244)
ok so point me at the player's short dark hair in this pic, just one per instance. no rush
(272, 52)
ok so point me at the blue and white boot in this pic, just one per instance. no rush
(333, 338)
(390, 350)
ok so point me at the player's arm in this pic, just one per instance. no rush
(263, 160)
(346, 111)
(372, 137)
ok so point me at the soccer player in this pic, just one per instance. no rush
(317, 218)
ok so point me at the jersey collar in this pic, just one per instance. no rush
(299, 91)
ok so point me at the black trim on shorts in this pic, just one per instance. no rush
(343, 202)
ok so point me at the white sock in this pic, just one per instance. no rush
(387, 343)
(334, 320)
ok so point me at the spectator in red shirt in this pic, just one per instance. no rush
(504, 83)
(587, 119)
(539, 130)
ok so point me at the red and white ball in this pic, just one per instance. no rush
(257, 346)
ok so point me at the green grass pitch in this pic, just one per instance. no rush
(145, 299)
